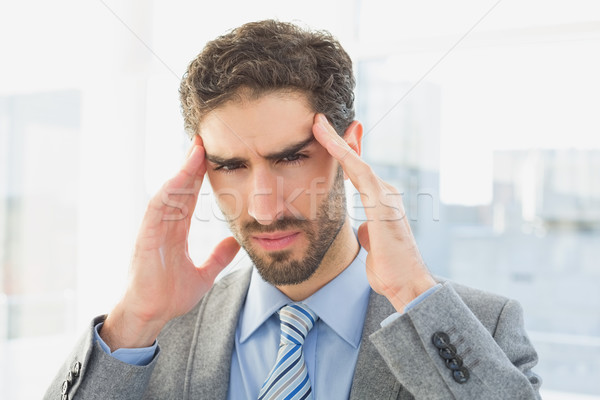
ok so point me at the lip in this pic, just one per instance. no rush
(276, 240)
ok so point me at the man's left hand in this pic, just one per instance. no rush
(395, 268)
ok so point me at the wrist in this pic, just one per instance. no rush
(124, 330)
(402, 294)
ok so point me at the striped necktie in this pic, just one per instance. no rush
(288, 378)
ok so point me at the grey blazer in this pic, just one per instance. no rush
(400, 361)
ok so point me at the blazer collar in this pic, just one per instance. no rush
(209, 365)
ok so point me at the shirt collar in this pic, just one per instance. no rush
(341, 304)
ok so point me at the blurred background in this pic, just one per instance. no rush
(485, 114)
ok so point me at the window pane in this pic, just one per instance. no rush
(497, 153)
(40, 134)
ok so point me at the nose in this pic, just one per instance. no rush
(265, 203)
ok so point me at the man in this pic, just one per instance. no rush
(326, 312)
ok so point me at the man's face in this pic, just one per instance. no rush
(281, 192)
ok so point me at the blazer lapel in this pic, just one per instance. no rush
(212, 345)
(372, 378)
(210, 356)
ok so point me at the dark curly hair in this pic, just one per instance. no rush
(266, 56)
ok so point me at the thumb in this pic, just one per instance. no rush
(220, 257)
(363, 236)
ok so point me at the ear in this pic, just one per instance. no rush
(353, 136)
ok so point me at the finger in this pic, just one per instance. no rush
(196, 140)
(180, 195)
(381, 201)
(363, 236)
(176, 199)
(220, 257)
(360, 173)
(329, 138)
(194, 161)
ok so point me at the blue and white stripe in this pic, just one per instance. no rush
(288, 380)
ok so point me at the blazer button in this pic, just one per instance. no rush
(440, 340)
(448, 352)
(76, 368)
(69, 377)
(454, 363)
(461, 375)
(65, 387)
(64, 397)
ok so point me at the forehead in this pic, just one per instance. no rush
(256, 126)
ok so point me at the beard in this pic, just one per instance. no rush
(279, 267)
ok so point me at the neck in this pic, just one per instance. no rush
(340, 255)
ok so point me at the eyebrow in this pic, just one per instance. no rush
(285, 152)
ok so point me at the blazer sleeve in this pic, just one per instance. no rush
(441, 350)
(91, 374)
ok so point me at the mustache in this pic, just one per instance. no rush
(278, 225)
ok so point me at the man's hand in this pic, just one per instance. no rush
(164, 282)
(395, 268)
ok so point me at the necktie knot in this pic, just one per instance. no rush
(296, 321)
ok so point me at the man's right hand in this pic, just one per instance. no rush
(164, 282)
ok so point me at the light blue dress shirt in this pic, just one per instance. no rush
(330, 349)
